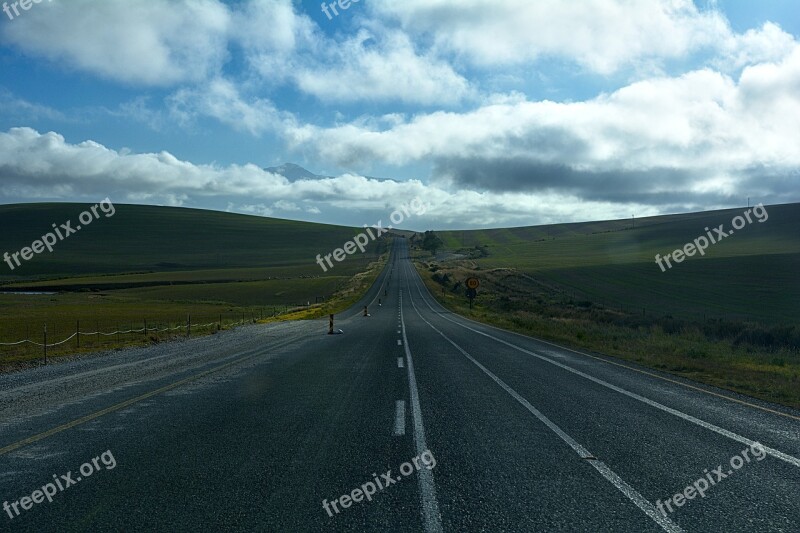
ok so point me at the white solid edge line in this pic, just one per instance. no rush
(680, 414)
(632, 494)
(399, 418)
(432, 519)
(689, 418)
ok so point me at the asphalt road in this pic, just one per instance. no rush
(449, 425)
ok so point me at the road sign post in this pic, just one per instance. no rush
(471, 294)
(472, 289)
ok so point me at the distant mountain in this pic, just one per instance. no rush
(293, 172)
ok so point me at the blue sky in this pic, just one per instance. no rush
(496, 113)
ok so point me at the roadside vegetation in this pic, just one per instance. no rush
(729, 319)
(162, 267)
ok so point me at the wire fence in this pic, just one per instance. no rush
(107, 334)
(149, 331)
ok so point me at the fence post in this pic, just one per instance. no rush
(45, 344)
(97, 325)
(78, 334)
(219, 324)
(188, 325)
(145, 329)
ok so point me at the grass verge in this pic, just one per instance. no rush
(165, 311)
(746, 357)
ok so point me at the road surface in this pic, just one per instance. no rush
(446, 424)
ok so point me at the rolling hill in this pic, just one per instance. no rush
(153, 239)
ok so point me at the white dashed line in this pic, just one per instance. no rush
(399, 418)
(432, 519)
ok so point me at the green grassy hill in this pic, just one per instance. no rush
(730, 318)
(145, 239)
(160, 264)
(750, 274)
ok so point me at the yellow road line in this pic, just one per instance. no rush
(116, 407)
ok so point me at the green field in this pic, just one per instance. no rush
(160, 265)
(145, 239)
(730, 318)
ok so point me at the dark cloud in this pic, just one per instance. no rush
(656, 187)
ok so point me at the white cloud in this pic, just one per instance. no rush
(158, 42)
(662, 139)
(13, 106)
(272, 26)
(220, 99)
(46, 166)
(765, 44)
(601, 35)
(656, 135)
(284, 205)
(251, 209)
(372, 66)
(41, 162)
(375, 64)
